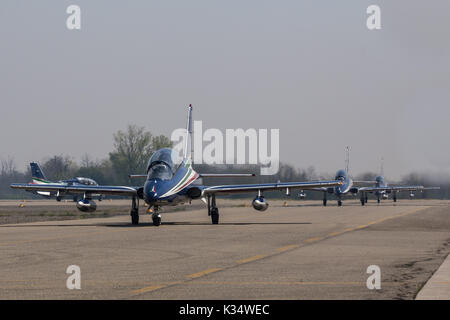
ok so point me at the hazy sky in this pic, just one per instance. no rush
(310, 68)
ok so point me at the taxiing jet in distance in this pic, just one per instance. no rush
(347, 186)
(38, 178)
(381, 190)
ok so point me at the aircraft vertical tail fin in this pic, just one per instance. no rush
(382, 167)
(188, 146)
(37, 174)
(347, 159)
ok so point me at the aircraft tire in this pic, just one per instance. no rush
(215, 216)
(156, 221)
(339, 203)
(135, 218)
(324, 203)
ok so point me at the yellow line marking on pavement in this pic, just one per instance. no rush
(148, 289)
(279, 250)
(369, 224)
(334, 234)
(306, 283)
(289, 247)
(285, 282)
(254, 258)
(203, 273)
(313, 239)
(245, 283)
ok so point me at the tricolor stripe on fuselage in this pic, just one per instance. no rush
(187, 179)
(40, 181)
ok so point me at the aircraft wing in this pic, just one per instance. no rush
(363, 182)
(392, 188)
(205, 175)
(225, 175)
(63, 189)
(319, 189)
(242, 188)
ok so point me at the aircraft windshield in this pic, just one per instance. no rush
(160, 171)
(341, 174)
(86, 181)
(163, 164)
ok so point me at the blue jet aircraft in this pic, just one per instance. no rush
(345, 188)
(38, 178)
(381, 190)
(170, 181)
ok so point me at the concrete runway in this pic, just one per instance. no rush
(302, 251)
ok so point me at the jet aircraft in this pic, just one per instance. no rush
(381, 190)
(170, 181)
(38, 178)
(347, 186)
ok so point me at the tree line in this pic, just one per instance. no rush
(132, 150)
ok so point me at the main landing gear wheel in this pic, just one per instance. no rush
(134, 218)
(215, 215)
(378, 200)
(324, 202)
(134, 213)
(339, 203)
(213, 211)
(363, 202)
(156, 219)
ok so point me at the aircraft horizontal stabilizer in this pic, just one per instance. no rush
(226, 175)
(205, 175)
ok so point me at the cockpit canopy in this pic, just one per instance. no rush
(341, 175)
(86, 181)
(163, 164)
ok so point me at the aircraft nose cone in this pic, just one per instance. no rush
(339, 189)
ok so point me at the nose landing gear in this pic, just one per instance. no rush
(156, 217)
(364, 198)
